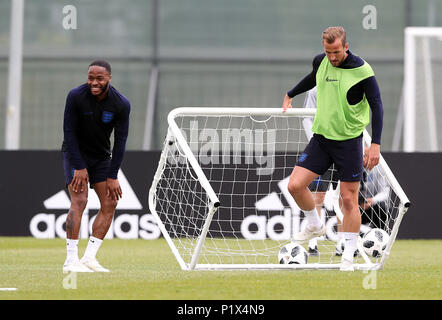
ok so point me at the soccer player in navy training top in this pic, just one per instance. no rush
(93, 110)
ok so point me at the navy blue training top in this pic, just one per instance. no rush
(88, 124)
(368, 86)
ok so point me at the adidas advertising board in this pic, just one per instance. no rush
(35, 201)
(137, 226)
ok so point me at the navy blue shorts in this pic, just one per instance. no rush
(321, 153)
(322, 183)
(96, 169)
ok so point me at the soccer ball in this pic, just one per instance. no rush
(292, 253)
(375, 241)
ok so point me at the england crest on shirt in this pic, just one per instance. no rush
(107, 116)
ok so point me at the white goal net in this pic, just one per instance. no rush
(422, 94)
(220, 192)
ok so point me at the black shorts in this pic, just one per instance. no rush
(346, 155)
(97, 169)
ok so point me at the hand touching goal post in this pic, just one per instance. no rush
(220, 194)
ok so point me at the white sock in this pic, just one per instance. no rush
(312, 243)
(339, 237)
(313, 219)
(351, 244)
(92, 247)
(71, 250)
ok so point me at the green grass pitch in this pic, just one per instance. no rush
(147, 270)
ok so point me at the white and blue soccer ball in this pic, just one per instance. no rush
(292, 253)
(374, 242)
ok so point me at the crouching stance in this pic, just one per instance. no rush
(93, 110)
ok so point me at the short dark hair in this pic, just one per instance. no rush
(332, 33)
(102, 63)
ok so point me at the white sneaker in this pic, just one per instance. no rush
(93, 264)
(347, 265)
(75, 266)
(309, 233)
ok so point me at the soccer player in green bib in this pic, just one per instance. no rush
(346, 91)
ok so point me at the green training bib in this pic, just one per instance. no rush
(335, 118)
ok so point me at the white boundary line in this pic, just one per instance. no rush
(8, 289)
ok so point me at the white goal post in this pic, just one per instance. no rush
(220, 198)
(422, 77)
